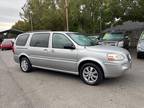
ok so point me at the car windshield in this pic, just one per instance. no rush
(81, 39)
(113, 36)
(142, 36)
(93, 37)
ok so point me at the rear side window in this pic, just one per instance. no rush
(22, 39)
(40, 40)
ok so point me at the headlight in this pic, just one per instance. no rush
(121, 43)
(115, 57)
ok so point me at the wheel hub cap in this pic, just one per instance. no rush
(24, 65)
(90, 74)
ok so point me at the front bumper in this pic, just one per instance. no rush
(116, 69)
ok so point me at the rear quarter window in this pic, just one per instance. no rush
(22, 39)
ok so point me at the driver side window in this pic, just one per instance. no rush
(60, 40)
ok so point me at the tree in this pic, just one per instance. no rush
(21, 25)
(87, 16)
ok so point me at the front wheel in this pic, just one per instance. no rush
(25, 65)
(139, 55)
(91, 74)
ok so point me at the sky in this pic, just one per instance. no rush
(9, 12)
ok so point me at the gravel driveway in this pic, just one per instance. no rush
(47, 89)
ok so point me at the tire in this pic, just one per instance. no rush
(139, 56)
(25, 65)
(91, 74)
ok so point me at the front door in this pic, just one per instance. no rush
(63, 58)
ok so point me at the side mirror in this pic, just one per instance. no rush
(69, 46)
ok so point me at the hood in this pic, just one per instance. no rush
(108, 49)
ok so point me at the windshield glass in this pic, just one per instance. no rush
(113, 37)
(142, 36)
(93, 37)
(6, 42)
(81, 39)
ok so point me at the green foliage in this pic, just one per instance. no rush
(22, 25)
(88, 16)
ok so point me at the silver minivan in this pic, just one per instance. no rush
(70, 52)
(140, 46)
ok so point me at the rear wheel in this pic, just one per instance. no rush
(25, 65)
(91, 74)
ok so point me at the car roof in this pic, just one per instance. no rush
(32, 32)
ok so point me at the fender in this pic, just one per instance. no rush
(94, 60)
(23, 54)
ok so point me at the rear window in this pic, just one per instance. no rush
(22, 39)
(6, 42)
(40, 40)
